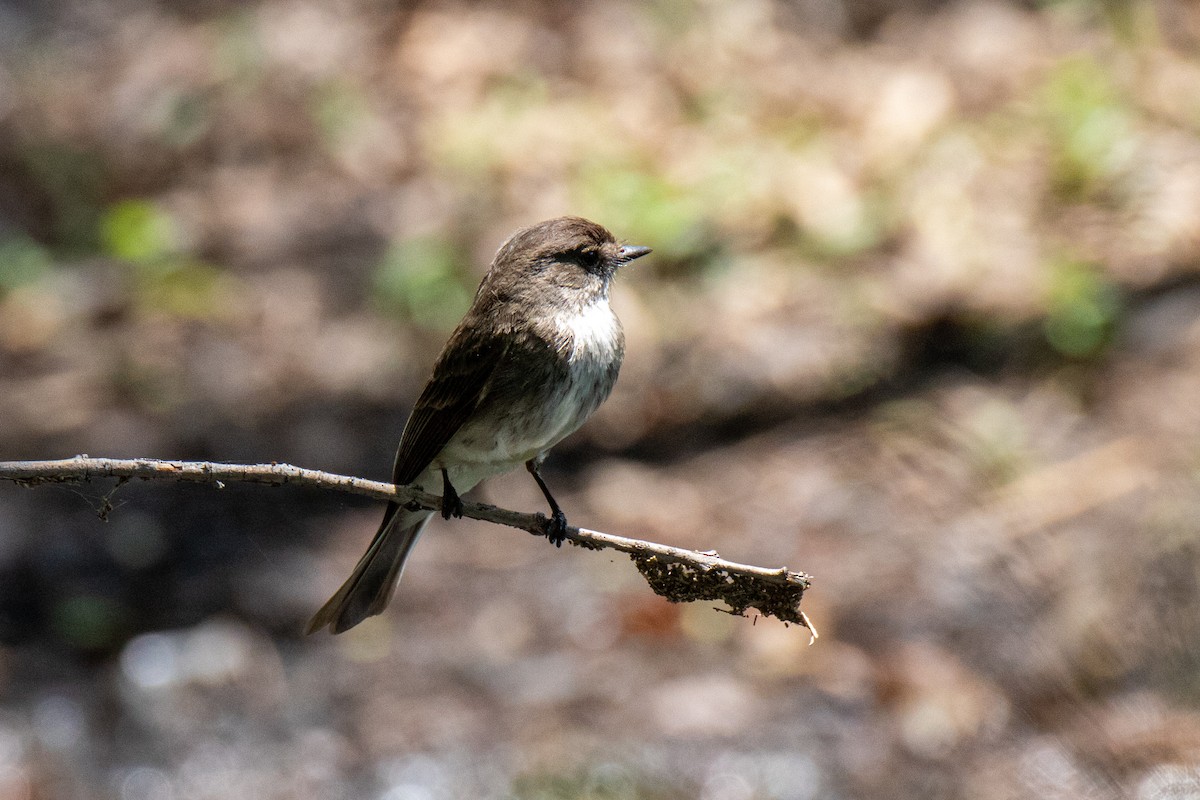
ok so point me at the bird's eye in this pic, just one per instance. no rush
(587, 258)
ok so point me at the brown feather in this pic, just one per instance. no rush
(460, 380)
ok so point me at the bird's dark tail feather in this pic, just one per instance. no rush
(370, 587)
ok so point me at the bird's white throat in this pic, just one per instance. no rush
(593, 330)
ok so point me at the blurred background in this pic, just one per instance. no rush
(923, 320)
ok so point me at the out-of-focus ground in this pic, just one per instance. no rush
(923, 320)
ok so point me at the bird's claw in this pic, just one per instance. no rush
(452, 506)
(556, 528)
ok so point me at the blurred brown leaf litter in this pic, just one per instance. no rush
(923, 320)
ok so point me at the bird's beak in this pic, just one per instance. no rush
(629, 252)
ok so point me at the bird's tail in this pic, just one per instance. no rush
(369, 588)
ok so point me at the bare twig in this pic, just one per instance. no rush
(675, 573)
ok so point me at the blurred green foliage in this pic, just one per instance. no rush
(187, 119)
(137, 231)
(337, 107)
(422, 278)
(599, 782)
(1083, 309)
(1090, 125)
(184, 288)
(22, 261)
(239, 52)
(166, 279)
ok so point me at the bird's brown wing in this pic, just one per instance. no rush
(460, 381)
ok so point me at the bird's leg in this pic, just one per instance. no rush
(556, 526)
(452, 504)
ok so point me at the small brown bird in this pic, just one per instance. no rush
(535, 356)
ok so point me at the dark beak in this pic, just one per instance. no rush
(629, 252)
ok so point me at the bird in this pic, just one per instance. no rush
(536, 354)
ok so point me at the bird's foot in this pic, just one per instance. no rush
(556, 528)
(452, 504)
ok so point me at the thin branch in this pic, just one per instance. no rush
(675, 573)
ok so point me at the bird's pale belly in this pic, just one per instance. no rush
(503, 440)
